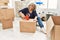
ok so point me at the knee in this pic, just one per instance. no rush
(38, 18)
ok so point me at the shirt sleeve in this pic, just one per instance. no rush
(23, 10)
(35, 13)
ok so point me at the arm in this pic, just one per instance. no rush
(35, 16)
(35, 19)
(21, 15)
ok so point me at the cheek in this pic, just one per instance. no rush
(31, 7)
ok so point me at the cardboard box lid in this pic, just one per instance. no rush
(49, 24)
(56, 20)
(30, 20)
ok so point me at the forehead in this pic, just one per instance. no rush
(32, 5)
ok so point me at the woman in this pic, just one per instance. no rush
(30, 10)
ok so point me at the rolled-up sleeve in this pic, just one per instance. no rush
(23, 10)
(35, 13)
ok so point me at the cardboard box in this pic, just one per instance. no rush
(3, 4)
(7, 14)
(53, 27)
(4, 1)
(57, 32)
(6, 24)
(28, 26)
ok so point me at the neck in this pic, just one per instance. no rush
(30, 11)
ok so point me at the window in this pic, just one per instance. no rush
(44, 5)
(52, 4)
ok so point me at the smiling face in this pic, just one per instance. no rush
(32, 6)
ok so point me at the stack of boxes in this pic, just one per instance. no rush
(6, 15)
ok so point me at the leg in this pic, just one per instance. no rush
(41, 25)
(40, 22)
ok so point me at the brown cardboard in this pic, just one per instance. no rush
(3, 4)
(6, 24)
(54, 30)
(56, 20)
(27, 26)
(57, 32)
(10, 13)
(4, 1)
(6, 14)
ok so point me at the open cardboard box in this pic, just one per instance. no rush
(53, 27)
(28, 26)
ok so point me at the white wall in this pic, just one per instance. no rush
(11, 3)
(57, 10)
(58, 7)
(52, 4)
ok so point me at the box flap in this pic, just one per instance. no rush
(49, 24)
(30, 20)
(56, 20)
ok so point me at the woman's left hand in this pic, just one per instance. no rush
(34, 19)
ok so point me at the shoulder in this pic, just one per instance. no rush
(34, 11)
(25, 9)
